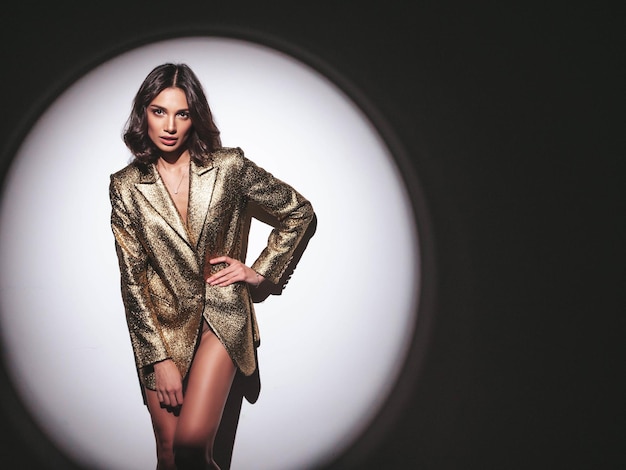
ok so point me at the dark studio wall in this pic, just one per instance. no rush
(509, 116)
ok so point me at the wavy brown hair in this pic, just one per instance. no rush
(204, 137)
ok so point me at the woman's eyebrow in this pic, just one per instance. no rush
(164, 108)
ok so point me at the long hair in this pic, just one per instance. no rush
(204, 136)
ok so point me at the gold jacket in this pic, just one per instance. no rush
(164, 262)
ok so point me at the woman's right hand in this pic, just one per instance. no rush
(169, 384)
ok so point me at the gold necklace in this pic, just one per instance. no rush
(179, 183)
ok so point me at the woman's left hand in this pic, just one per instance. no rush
(236, 271)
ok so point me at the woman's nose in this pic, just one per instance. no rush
(170, 125)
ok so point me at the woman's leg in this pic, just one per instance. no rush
(209, 381)
(164, 422)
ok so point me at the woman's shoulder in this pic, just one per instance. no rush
(227, 157)
(226, 153)
(132, 172)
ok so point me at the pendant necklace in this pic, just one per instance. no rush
(179, 183)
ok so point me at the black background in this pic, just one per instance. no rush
(512, 115)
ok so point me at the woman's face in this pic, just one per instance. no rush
(169, 123)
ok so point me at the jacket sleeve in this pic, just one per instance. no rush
(292, 210)
(146, 337)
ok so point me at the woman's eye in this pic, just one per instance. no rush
(184, 114)
(157, 111)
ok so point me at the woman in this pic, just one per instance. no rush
(178, 217)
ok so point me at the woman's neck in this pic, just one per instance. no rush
(172, 162)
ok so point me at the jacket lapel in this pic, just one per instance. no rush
(153, 189)
(201, 190)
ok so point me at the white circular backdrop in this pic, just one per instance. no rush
(332, 344)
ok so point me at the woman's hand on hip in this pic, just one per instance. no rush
(169, 384)
(236, 271)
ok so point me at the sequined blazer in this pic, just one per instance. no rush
(164, 262)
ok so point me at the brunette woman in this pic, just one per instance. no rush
(178, 217)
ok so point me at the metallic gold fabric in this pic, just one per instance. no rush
(163, 263)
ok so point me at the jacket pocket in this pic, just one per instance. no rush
(163, 302)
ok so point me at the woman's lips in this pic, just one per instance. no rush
(168, 140)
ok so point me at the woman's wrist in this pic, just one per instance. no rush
(258, 279)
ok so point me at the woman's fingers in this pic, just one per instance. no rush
(235, 272)
(164, 398)
(222, 259)
(172, 397)
(168, 383)
(225, 277)
(178, 396)
(175, 398)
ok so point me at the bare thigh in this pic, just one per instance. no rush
(208, 385)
